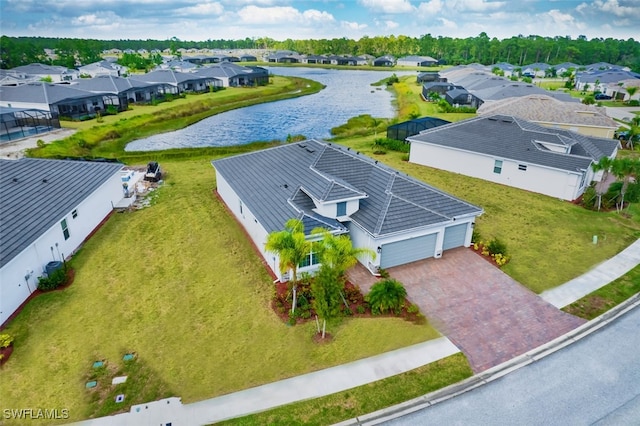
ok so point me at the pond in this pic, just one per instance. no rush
(348, 93)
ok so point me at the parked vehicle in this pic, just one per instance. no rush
(153, 173)
(602, 97)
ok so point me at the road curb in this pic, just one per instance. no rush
(496, 372)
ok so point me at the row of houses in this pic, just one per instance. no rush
(87, 97)
(290, 57)
(475, 85)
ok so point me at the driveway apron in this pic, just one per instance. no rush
(488, 315)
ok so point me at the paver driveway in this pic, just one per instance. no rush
(488, 315)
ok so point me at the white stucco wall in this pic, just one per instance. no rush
(331, 209)
(18, 104)
(32, 260)
(555, 183)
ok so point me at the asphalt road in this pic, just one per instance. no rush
(593, 381)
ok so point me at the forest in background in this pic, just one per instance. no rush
(517, 50)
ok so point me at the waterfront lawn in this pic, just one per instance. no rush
(549, 240)
(109, 138)
(180, 284)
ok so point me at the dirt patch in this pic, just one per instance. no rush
(5, 353)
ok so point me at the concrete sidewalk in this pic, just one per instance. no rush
(597, 277)
(261, 398)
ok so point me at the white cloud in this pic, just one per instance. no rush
(447, 24)
(206, 8)
(388, 6)
(614, 7)
(474, 5)
(255, 15)
(430, 8)
(352, 25)
(561, 18)
(391, 25)
(98, 19)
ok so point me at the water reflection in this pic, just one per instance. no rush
(347, 94)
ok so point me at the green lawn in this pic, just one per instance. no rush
(179, 284)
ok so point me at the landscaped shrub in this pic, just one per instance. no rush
(386, 295)
(634, 102)
(392, 144)
(5, 340)
(496, 246)
(54, 280)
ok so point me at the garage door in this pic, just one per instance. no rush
(454, 236)
(405, 251)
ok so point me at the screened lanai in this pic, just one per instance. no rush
(18, 123)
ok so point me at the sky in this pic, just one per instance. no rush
(198, 20)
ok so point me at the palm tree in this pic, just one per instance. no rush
(625, 169)
(605, 165)
(337, 251)
(292, 247)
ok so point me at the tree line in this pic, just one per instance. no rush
(517, 50)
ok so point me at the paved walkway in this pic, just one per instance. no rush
(599, 276)
(491, 317)
(328, 381)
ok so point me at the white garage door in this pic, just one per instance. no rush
(454, 236)
(405, 251)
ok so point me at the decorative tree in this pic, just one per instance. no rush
(326, 289)
(388, 294)
(292, 247)
(337, 251)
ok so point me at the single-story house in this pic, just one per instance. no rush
(462, 97)
(315, 59)
(178, 65)
(60, 99)
(49, 208)
(506, 69)
(417, 61)
(56, 73)
(547, 111)
(512, 89)
(439, 87)
(284, 57)
(428, 77)
(181, 82)
(332, 187)
(128, 90)
(227, 74)
(103, 68)
(248, 58)
(384, 61)
(537, 69)
(514, 152)
(565, 67)
(599, 80)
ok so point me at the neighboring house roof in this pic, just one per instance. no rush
(539, 65)
(566, 66)
(519, 140)
(42, 69)
(511, 89)
(603, 77)
(504, 66)
(44, 93)
(167, 76)
(543, 108)
(278, 184)
(417, 59)
(229, 70)
(103, 66)
(37, 193)
(110, 83)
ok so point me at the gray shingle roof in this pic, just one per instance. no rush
(110, 83)
(44, 93)
(276, 183)
(516, 139)
(35, 194)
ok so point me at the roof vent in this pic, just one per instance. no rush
(44, 180)
(309, 150)
(302, 145)
(14, 179)
(286, 186)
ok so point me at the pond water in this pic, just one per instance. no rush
(348, 93)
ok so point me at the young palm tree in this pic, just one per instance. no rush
(337, 251)
(292, 247)
(605, 165)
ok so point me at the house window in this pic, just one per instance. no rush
(74, 213)
(497, 167)
(522, 167)
(310, 260)
(65, 229)
(241, 212)
(342, 208)
(583, 180)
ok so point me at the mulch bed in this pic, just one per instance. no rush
(6, 353)
(358, 307)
